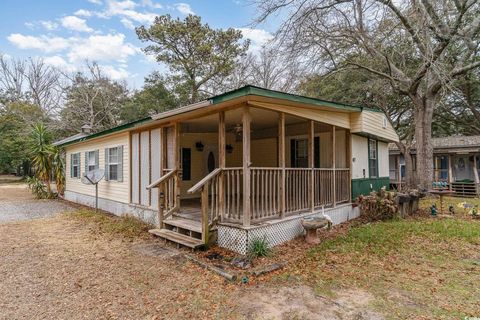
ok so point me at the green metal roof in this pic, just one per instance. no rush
(253, 90)
(230, 95)
(108, 131)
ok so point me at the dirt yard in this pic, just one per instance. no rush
(61, 268)
(82, 265)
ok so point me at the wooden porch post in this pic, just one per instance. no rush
(176, 161)
(281, 161)
(221, 162)
(246, 119)
(398, 173)
(475, 170)
(349, 163)
(163, 165)
(450, 171)
(334, 182)
(311, 163)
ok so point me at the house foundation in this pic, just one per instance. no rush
(238, 238)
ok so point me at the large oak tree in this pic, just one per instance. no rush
(416, 47)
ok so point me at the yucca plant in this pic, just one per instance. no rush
(58, 164)
(42, 154)
(37, 187)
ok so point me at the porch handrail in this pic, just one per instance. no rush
(199, 185)
(163, 178)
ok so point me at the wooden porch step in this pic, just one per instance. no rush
(183, 223)
(177, 238)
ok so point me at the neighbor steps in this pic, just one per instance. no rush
(182, 231)
(464, 189)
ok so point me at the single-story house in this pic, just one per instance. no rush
(456, 162)
(244, 164)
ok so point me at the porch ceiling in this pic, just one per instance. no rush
(261, 119)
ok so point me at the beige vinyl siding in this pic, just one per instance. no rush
(326, 149)
(340, 119)
(371, 122)
(383, 170)
(340, 152)
(113, 190)
(360, 154)
(199, 158)
(264, 152)
(356, 122)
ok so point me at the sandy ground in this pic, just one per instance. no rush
(59, 267)
(17, 204)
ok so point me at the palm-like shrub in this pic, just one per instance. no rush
(42, 154)
(58, 164)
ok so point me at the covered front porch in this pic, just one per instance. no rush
(242, 167)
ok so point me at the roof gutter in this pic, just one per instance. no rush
(181, 110)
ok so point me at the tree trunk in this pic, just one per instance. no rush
(405, 150)
(423, 140)
(410, 181)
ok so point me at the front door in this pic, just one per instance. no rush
(211, 158)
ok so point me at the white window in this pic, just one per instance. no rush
(299, 152)
(75, 165)
(372, 158)
(113, 163)
(91, 160)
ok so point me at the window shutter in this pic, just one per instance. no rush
(120, 164)
(86, 163)
(97, 156)
(293, 153)
(107, 159)
(316, 153)
(186, 164)
(71, 165)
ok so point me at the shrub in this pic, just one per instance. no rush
(259, 247)
(38, 188)
(378, 206)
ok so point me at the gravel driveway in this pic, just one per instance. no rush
(17, 204)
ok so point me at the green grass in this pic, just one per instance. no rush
(125, 226)
(426, 203)
(415, 268)
(381, 238)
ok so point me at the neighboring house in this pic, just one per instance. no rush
(456, 162)
(248, 163)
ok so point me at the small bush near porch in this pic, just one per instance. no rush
(420, 267)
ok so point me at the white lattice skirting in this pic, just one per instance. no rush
(278, 231)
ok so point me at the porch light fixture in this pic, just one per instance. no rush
(229, 148)
(199, 146)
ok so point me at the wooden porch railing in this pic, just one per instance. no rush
(265, 188)
(233, 186)
(330, 186)
(323, 179)
(168, 199)
(342, 185)
(297, 185)
(210, 200)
